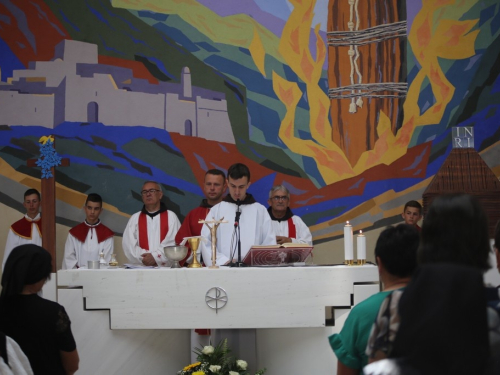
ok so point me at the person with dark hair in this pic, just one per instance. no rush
(443, 325)
(288, 227)
(454, 233)
(455, 230)
(395, 253)
(412, 213)
(238, 171)
(40, 327)
(252, 218)
(151, 229)
(29, 228)
(256, 229)
(89, 239)
(214, 188)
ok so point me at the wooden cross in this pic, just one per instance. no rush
(48, 187)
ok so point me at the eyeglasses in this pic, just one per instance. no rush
(277, 198)
(151, 191)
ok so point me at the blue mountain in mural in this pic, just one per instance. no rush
(131, 155)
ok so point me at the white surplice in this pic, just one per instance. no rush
(255, 228)
(130, 242)
(77, 253)
(14, 240)
(302, 231)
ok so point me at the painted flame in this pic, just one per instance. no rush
(436, 33)
(294, 47)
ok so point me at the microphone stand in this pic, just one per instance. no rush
(239, 263)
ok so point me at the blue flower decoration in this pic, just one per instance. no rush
(48, 158)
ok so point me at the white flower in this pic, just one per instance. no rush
(208, 350)
(214, 368)
(241, 364)
(234, 373)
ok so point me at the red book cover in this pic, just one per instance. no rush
(277, 255)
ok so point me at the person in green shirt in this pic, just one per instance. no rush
(396, 256)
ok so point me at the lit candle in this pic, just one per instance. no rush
(361, 248)
(348, 243)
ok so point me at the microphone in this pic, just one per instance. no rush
(238, 214)
(239, 263)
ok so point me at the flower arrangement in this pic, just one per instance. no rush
(216, 360)
(49, 157)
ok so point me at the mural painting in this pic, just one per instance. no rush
(349, 105)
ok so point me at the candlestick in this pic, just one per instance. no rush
(348, 244)
(361, 248)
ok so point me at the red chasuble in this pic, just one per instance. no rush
(24, 226)
(190, 226)
(143, 229)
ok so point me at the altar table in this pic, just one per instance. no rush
(134, 321)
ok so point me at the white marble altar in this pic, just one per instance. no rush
(134, 321)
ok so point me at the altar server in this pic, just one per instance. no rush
(239, 208)
(214, 188)
(412, 213)
(288, 227)
(89, 239)
(151, 229)
(29, 228)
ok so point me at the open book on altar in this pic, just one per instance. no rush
(277, 255)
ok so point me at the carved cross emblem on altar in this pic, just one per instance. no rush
(216, 298)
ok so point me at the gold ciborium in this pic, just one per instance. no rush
(194, 242)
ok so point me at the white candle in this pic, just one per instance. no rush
(348, 242)
(361, 246)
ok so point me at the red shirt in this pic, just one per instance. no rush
(190, 226)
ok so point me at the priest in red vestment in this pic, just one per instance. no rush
(150, 230)
(288, 227)
(214, 188)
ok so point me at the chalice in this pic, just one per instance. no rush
(194, 242)
(175, 254)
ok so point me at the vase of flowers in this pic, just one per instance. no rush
(217, 360)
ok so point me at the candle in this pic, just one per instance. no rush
(348, 243)
(361, 248)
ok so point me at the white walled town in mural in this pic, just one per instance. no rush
(74, 87)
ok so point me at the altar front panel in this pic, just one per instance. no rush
(256, 297)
